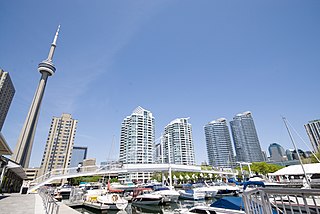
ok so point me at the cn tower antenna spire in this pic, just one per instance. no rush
(24, 145)
(53, 45)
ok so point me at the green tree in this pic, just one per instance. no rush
(203, 167)
(114, 180)
(157, 176)
(314, 159)
(77, 180)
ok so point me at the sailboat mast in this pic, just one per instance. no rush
(295, 147)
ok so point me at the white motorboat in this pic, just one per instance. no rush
(145, 197)
(168, 195)
(225, 189)
(91, 195)
(208, 210)
(113, 201)
(191, 194)
(64, 191)
(209, 191)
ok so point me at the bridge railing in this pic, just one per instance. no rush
(73, 170)
(63, 173)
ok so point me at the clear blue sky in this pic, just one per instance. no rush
(197, 59)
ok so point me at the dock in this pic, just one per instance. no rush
(16, 203)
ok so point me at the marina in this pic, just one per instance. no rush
(275, 194)
(190, 92)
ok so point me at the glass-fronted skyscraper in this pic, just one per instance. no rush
(6, 95)
(137, 142)
(313, 131)
(245, 138)
(219, 146)
(79, 153)
(277, 152)
(177, 143)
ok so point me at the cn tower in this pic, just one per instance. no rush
(23, 149)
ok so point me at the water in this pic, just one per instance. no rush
(141, 209)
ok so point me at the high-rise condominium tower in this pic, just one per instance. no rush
(23, 148)
(137, 142)
(177, 143)
(137, 137)
(245, 138)
(313, 131)
(6, 95)
(219, 147)
(60, 141)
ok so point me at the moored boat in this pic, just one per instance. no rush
(144, 196)
(191, 194)
(168, 195)
(113, 201)
(64, 191)
(209, 191)
(225, 189)
(208, 210)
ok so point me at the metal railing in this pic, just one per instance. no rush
(50, 204)
(282, 200)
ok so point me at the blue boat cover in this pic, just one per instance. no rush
(161, 188)
(233, 180)
(190, 191)
(256, 183)
(234, 203)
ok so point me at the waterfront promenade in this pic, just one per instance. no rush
(16, 203)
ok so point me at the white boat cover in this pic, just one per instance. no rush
(312, 168)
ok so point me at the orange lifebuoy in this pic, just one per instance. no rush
(114, 198)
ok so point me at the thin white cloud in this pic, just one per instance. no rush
(66, 93)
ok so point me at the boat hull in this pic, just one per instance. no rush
(168, 196)
(147, 199)
(144, 201)
(206, 209)
(209, 192)
(192, 195)
(113, 202)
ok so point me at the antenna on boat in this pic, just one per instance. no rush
(111, 150)
(295, 147)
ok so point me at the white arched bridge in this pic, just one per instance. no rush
(116, 169)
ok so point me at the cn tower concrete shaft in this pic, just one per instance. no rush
(24, 145)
